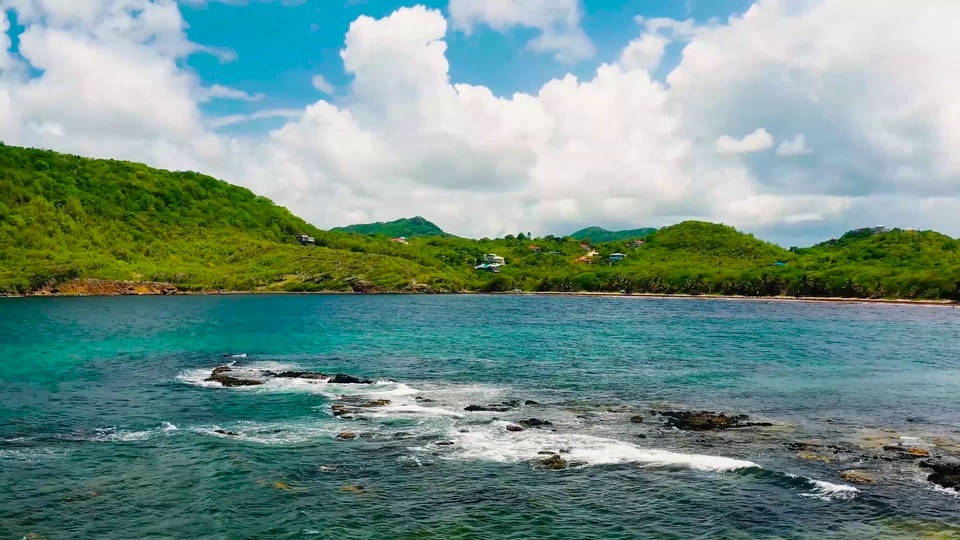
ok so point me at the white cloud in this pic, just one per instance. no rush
(867, 88)
(797, 146)
(557, 20)
(323, 85)
(223, 92)
(757, 141)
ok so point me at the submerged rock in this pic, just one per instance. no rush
(230, 382)
(376, 403)
(225, 432)
(501, 407)
(443, 443)
(945, 474)
(346, 436)
(341, 410)
(530, 403)
(636, 419)
(353, 489)
(858, 477)
(340, 378)
(906, 452)
(535, 423)
(297, 375)
(220, 375)
(554, 462)
(707, 420)
(514, 427)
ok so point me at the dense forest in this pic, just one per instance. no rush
(406, 227)
(598, 234)
(64, 218)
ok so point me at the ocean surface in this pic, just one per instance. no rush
(109, 430)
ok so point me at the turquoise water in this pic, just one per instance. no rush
(107, 429)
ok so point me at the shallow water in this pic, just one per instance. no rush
(108, 430)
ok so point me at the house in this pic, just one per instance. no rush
(637, 243)
(779, 263)
(305, 240)
(535, 249)
(487, 267)
(493, 258)
(584, 247)
(617, 257)
(584, 260)
(399, 240)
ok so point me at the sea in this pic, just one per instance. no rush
(109, 427)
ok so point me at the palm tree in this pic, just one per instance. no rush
(878, 290)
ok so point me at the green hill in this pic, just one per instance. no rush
(598, 235)
(64, 218)
(407, 227)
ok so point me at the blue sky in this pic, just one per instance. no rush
(795, 120)
(280, 46)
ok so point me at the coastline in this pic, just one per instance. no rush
(105, 288)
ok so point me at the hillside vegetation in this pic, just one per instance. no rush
(64, 217)
(599, 234)
(405, 227)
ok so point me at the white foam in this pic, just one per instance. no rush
(273, 433)
(241, 355)
(829, 491)
(946, 491)
(167, 427)
(496, 444)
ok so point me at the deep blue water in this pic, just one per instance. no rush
(107, 429)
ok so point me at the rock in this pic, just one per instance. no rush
(353, 489)
(706, 420)
(423, 399)
(327, 469)
(225, 432)
(906, 452)
(641, 436)
(530, 403)
(340, 378)
(803, 445)
(346, 436)
(444, 443)
(297, 375)
(281, 485)
(636, 419)
(221, 369)
(945, 474)
(858, 477)
(486, 408)
(546, 453)
(376, 403)
(340, 410)
(535, 422)
(514, 427)
(554, 462)
(511, 403)
(814, 456)
(229, 382)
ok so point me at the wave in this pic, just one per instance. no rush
(829, 491)
(499, 445)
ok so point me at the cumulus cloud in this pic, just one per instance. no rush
(323, 85)
(797, 146)
(757, 141)
(557, 20)
(224, 92)
(866, 89)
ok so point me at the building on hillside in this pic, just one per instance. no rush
(535, 249)
(399, 239)
(489, 267)
(880, 229)
(493, 258)
(305, 240)
(779, 263)
(584, 260)
(584, 247)
(636, 243)
(617, 257)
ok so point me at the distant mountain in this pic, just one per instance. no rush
(599, 235)
(408, 227)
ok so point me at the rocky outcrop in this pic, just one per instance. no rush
(945, 474)
(897, 451)
(554, 462)
(636, 419)
(706, 420)
(503, 406)
(346, 436)
(535, 423)
(858, 477)
(514, 427)
(230, 377)
(361, 286)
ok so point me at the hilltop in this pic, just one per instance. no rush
(407, 227)
(91, 225)
(599, 234)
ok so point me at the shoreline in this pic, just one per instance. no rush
(802, 299)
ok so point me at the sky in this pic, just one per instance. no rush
(794, 120)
